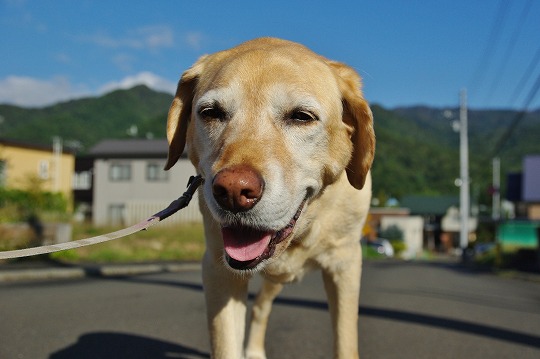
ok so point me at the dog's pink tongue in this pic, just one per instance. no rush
(244, 244)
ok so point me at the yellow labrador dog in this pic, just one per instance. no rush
(284, 140)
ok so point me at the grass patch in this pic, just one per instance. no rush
(369, 252)
(159, 243)
(510, 258)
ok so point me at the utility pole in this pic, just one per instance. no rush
(496, 190)
(464, 172)
(57, 156)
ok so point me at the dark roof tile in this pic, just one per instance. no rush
(129, 148)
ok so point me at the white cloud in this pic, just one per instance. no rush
(62, 58)
(143, 38)
(143, 78)
(156, 36)
(32, 92)
(194, 40)
(124, 62)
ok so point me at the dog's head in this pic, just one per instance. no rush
(268, 124)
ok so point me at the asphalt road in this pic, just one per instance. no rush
(408, 310)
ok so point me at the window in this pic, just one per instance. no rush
(43, 169)
(155, 172)
(120, 172)
(3, 173)
(82, 180)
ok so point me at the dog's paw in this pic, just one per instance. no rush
(255, 354)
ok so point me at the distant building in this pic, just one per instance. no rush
(427, 222)
(523, 189)
(441, 220)
(432, 209)
(412, 228)
(21, 163)
(129, 184)
(531, 186)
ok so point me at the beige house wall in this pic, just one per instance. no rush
(533, 212)
(22, 165)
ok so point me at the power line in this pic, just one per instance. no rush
(526, 76)
(509, 50)
(490, 45)
(518, 118)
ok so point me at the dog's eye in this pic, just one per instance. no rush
(212, 113)
(302, 116)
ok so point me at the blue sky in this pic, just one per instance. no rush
(408, 52)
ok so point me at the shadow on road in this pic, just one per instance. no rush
(428, 320)
(382, 313)
(116, 345)
(453, 324)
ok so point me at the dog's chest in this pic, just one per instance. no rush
(290, 266)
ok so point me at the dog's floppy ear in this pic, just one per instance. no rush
(180, 112)
(357, 115)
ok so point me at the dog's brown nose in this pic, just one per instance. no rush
(237, 188)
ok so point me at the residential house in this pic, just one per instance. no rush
(129, 183)
(523, 189)
(381, 219)
(427, 222)
(23, 163)
(441, 220)
(376, 214)
(412, 228)
(531, 186)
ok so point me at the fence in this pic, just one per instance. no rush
(136, 211)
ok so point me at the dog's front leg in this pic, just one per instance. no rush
(259, 319)
(226, 295)
(343, 290)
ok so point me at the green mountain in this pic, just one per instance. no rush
(409, 159)
(507, 134)
(89, 120)
(490, 132)
(417, 150)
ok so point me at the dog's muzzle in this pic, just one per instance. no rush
(238, 189)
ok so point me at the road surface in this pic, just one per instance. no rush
(408, 310)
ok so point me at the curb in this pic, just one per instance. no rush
(77, 272)
(24, 275)
(51, 272)
(512, 274)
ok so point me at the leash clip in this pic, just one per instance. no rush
(182, 201)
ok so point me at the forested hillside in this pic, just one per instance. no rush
(507, 134)
(417, 150)
(88, 120)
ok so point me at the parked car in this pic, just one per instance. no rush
(484, 248)
(381, 245)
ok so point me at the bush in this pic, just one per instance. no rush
(394, 234)
(398, 245)
(18, 205)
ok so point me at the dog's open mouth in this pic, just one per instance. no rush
(246, 247)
